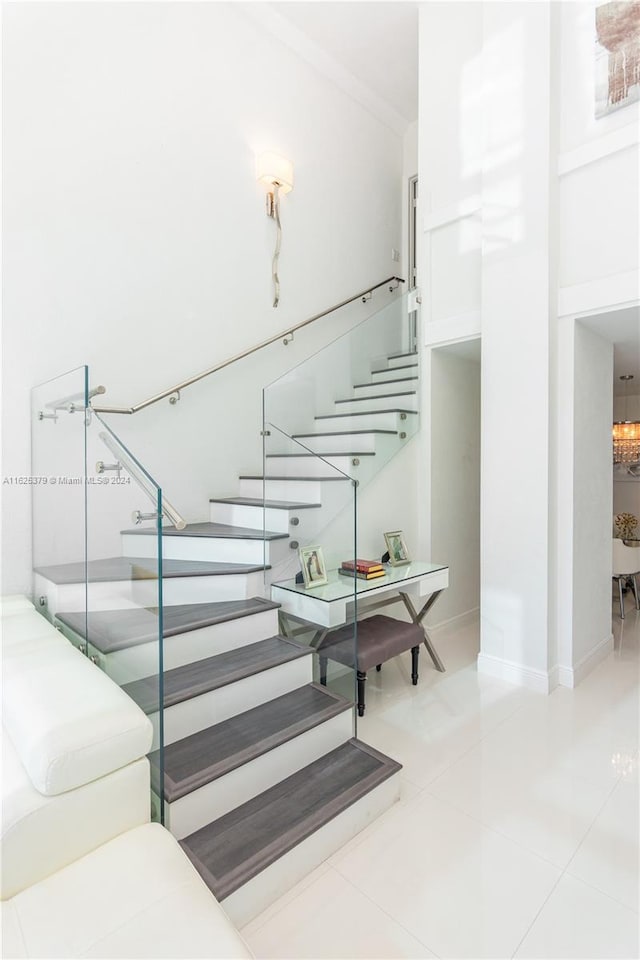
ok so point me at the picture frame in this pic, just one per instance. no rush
(314, 570)
(397, 548)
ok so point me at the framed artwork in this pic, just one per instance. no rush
(314, 570)
(398, 553)
(617, 55)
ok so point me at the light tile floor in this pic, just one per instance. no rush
(517, 830)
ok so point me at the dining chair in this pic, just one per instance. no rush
(626, 565)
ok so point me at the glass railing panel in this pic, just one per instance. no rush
(357, 398)
(318, 602)
(58, 486)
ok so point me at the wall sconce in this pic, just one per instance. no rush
(277, 174)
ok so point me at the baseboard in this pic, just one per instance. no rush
(572, 676)
(460, 620)
(540, 681)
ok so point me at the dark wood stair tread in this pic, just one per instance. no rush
(378, 383)
(362, 413)
(310, 479)
(380, 396)
(343, 433)
(236, 847)
(141, 568)
(214, 531)
(209, 754)
(397, 356)
(203, 676)
(339, 453)
(269, 504)
(403, 366)
(112, 630)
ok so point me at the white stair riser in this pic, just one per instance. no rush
(391, 373)
(408, 401)
(347, 442)
(237, 586)
(402, 361)
(200, 807)
(362, 421)
(73, 596)
(265, 888)
(246, 515)
(208, 709)
(134, 663)
(386, 387)
(306, 491)
(309, 521)
(312, 466)
(205, 549)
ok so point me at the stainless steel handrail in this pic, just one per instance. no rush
(283, 335)
(145, 484)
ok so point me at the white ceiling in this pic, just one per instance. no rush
(377, 42)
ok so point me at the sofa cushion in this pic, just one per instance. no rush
(67, 720)
(136, 896)
(43, 834)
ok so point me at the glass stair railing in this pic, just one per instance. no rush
(172, 599)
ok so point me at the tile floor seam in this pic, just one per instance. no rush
(498, 833)
(590, 828)
(390, 916)
(540, 909)
(269, 916)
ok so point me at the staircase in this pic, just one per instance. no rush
(260, 775)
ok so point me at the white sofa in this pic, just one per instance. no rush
(84, 873)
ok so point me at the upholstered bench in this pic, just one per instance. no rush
(379, 639)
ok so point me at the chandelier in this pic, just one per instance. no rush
(626, 434)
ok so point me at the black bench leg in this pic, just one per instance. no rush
(323, 670)
(415, 653)
(362, 677)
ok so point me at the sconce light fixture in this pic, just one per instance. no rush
(277, 173)
(626, 434)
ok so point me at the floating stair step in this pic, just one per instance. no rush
(208, 541)
(343, 433)
(124, 642)
(114, 569)
(400, 356)
(203, 676)
(281, 515)
(268, 504)
(407, 381)
(132, 581)
(364, 413)
(376, 402)
(238, 846)
(113, 630)
(212, 753)
(207, 529)
(394, 369)
(379, 396)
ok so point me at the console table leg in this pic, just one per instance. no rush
(418, 618)
(362, 677)
(415, 653)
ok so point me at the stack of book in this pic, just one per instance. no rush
(362, 569)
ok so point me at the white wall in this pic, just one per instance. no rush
(529, 212)
(592, 502)
(455, 479)
(134, 230)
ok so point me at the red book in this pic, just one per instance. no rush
(362, 566)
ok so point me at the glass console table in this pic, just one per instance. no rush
(343, 599)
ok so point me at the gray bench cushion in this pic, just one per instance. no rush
(379, 639)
